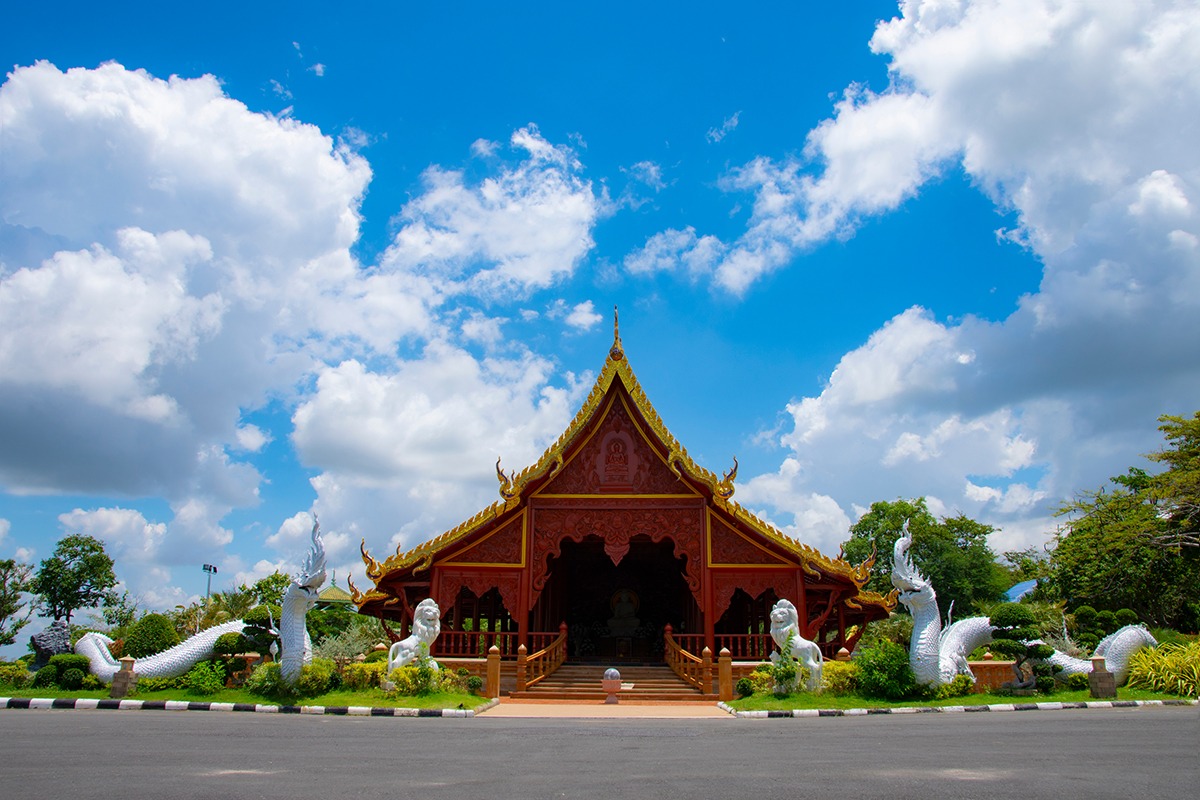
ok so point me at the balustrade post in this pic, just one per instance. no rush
(706, 670)
(725, 675)
(493, 672)
(522, 652)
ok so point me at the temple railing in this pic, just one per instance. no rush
(741, 646)
(692, 669)
(532, 668)
(477, 644)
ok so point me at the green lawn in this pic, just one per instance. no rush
(373, 698)
(760, 702)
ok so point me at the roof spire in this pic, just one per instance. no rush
(617, 352)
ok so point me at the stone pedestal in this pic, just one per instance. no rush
(611, 685)
(1101, 682)
(124, 682)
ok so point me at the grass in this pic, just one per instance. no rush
(766, 702)
(373, 698)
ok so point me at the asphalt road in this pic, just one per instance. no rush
(82, 755)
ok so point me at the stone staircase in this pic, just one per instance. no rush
(582, 682)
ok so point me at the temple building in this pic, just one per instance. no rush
(616, 532)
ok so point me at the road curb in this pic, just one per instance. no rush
(90, 704)
(996, 707)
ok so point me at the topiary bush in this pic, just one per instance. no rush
(65, 661)
(45, 677)
(232, 643)
(151, 634)
(71, 679)
(376, 655)
(884, 672)
(1013, 629)
(474, 684)
(205, 678)
(744, 687)
(261, 622)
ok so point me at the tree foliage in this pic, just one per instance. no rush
(953, 553)
(79, 574)
(270, 590)
(1132, 544)
(151, 634)
(1176, 491)
(14, 585)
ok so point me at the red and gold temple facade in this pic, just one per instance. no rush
(617, 532)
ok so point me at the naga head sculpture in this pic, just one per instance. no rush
(914, 589)
(312, 572)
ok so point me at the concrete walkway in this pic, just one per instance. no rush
(509, 709)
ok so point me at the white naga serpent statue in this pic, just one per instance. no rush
(293, 634)
(937, 655)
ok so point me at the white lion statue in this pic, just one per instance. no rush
(785, 628)
(427, 624)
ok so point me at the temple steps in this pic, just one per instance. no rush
(582, 682)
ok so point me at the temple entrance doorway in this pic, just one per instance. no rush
(616, 612)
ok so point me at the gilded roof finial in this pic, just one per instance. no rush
(617, 352)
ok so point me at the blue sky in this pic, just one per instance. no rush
(262, 261)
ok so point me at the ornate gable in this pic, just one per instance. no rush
(616, 458)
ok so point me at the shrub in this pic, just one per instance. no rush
(205, 678)
(1085, 619)
(315, 679)
(961, 686)
(71, 679)
(151, 634)
(883, 671)
(744, 687)
(377, 655)
(1077, 681)
(1107, 622)
(14, 675)
(839, 677)
(45, 677)
(66, 661)
(363, 676)
(91, 682)
(413, 680)
(228, 644)
(1170, 668)
(161, 684)
(474, 684)
(265, 681)
(1087, 641)
(1126, 616)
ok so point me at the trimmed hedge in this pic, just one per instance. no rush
(151, 634)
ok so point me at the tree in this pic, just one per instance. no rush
(270, 590)
(1113, 551)
(953, 554)
(1013, 633)
(14, 584)
(79, 574)
(1176, 491)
